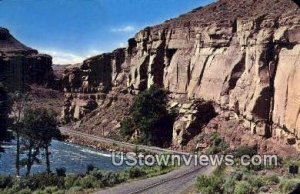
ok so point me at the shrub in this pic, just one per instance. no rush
(136, 172)
(12, 190)
(41, 180)
(40, 191)
(243, 187)
(209, 185)
(255, 167)
(229, 186)
(98, 174)
(6, 181)
(287, 186)
(88, 182)
(218, 144)
(245, 150)
(136, 149)
(271, 180)
(76, 189)
(237, 175)
(213, 150)
(109, 179)
(215, 138)
(256, 181)
(72, 181)
(51, 189)
(25, 191)
(90, 168)
(219, 171)
(127, 127)
(61, 172)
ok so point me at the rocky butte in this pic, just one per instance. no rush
(243, 56)
(21, 65)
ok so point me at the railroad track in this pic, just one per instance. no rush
(175, 177)
(125, 144)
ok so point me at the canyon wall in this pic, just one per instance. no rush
(241, 55)
(21, 65)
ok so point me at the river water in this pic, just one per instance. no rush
(73, 157)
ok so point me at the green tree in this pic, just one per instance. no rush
(150, 117)
(40, 128)
(127, 127)
(5, 108)
(19, 99)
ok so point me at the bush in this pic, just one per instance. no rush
(287, 186)
(243, 187)
(256, 181)
(209, 185)
(88, 182)
(136, 172)
(98, 174)
(61, 172)
(127, 127)
(76, 189)
(229, 186)
(109, 179)
(72, 181)
(245, 150)
(41, 180)
(237, 175)
(215, 138)
(90, 168)
(218, 145)
(40, 191)
(213, 150)
(6, 181)
(255, 167)
(271, 180)
(51, 189)
(25, 191)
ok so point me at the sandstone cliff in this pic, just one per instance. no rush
(21, 65)
(241, 55)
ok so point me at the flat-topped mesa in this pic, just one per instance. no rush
(21, 65)
(242, 55)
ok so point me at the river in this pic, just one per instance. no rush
(73, 157)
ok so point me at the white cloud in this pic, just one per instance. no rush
(63, 57)
(122, 44)
(125, 29)
(92, 53)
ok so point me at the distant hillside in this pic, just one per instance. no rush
(21, 65)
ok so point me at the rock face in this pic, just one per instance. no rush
(192, 117)
(87, 86)
(242, 55)
(20, 64)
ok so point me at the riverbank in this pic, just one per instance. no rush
(105, 144)
(101, 146)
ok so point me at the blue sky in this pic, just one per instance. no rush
(72, 30)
